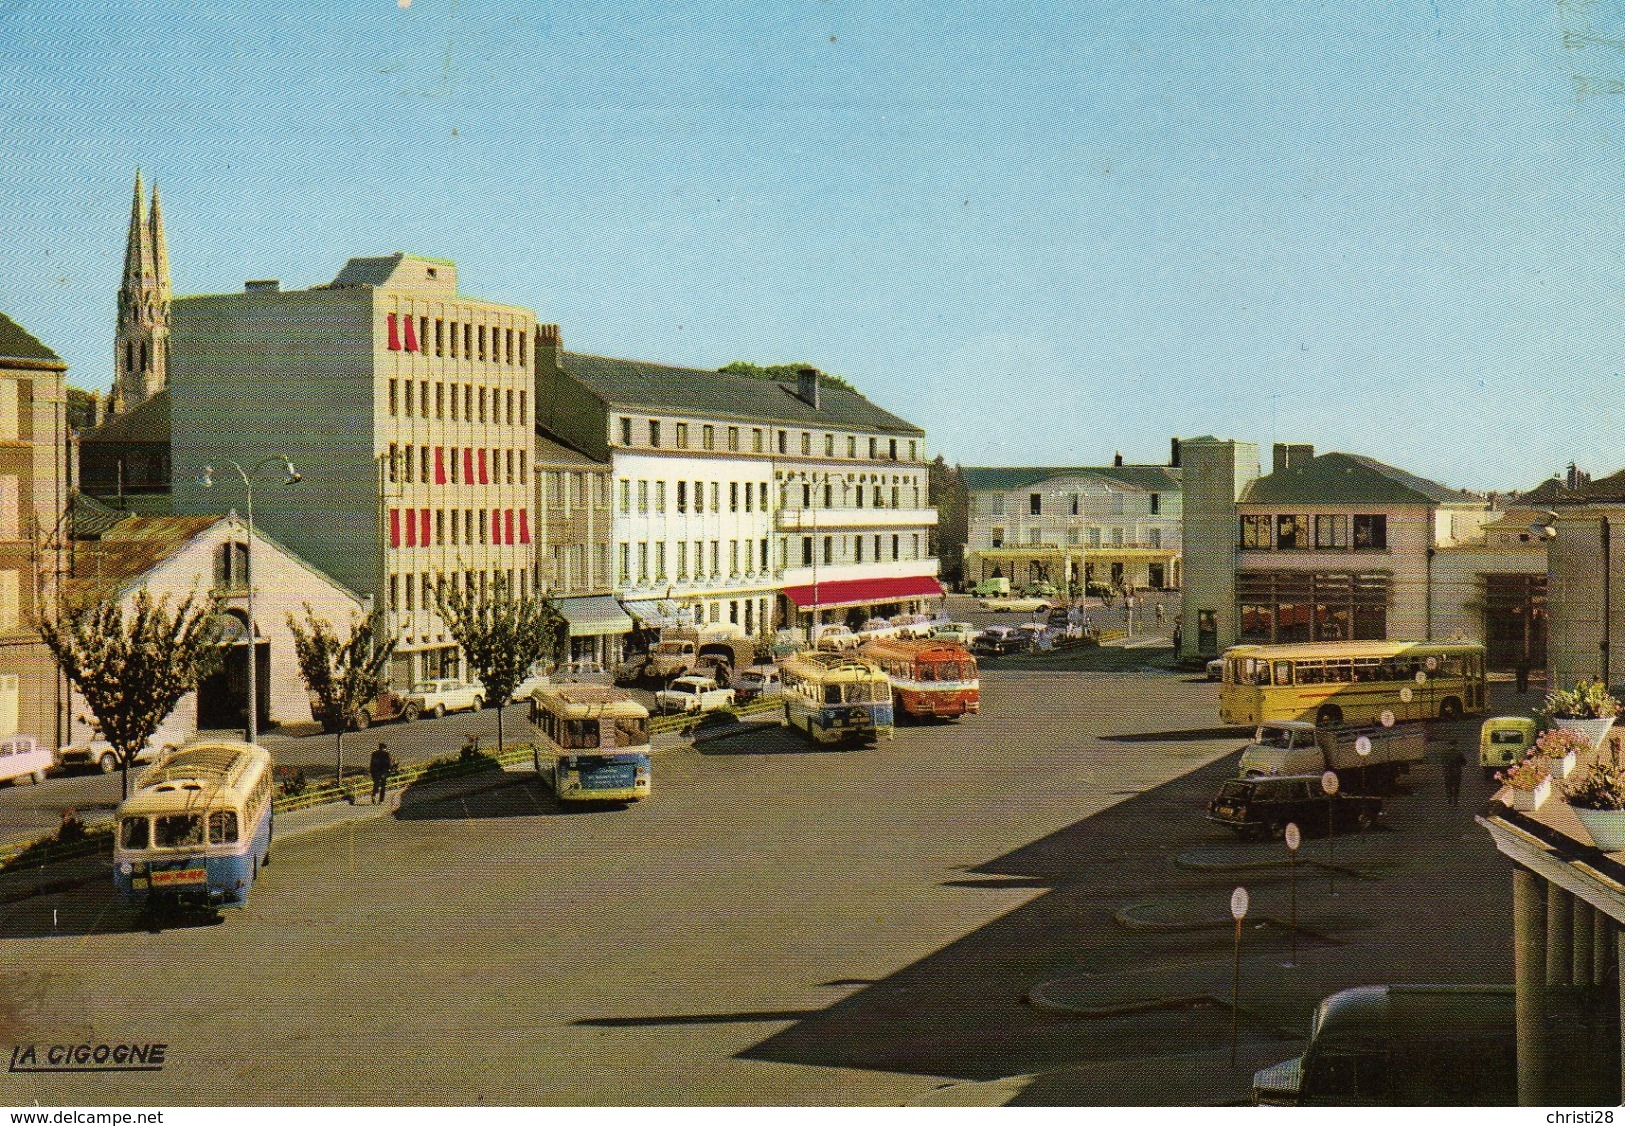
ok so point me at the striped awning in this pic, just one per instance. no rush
(862, 592)
(594, 616)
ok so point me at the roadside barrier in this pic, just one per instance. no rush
(684, 723)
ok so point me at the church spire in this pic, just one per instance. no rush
(141, 348)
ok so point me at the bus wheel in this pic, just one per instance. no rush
(1329, 715)
(1450, 708)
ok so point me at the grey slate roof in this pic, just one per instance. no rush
(365, 271)
(999, 478)
(1339, 478)
(550, 451)
(17, 343)
(660, 388)
(147, 421)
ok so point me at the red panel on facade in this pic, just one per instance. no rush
(411, 530)
(862, 592)
(484, 479)
(424, 533)
(496, 523)
(468, 465)
(394, 527)
(524, 518)
(394, 334)
(439, 468)
(507, 525)
(411, 333)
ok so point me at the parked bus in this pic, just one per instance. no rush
(929, 679)
(836, 696)
(1335, 682)
(595, 742)
(197, 828)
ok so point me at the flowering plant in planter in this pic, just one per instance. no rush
(1525, 775)
(1588, 699)
(1602, 786)
(1560, 741)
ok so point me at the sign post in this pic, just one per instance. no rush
(1362, 747)
(1294, 838)
(1238, 912)
(1329, 783)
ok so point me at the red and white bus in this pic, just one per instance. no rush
(929, 678)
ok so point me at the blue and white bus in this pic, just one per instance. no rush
(836, 697)
(197, 829)
(595, 743)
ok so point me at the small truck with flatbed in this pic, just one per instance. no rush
(1297, 747)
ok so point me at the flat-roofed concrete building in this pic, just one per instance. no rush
(1586, 581)
(407, 407)
(574, 536)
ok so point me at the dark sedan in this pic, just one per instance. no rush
(1258, 807)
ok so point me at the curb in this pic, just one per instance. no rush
(1035, 997)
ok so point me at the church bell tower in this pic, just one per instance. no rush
(141, 349)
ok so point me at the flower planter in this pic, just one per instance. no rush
(1529, 800)
(1593, 730)
(1561, 767)
(1606, 826)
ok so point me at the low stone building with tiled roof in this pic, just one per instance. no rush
(114, 555)
(33, 497)
(1106, 526)
(742, 500)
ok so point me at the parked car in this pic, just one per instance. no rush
(989, 588)
(382, 708)
(756, 682)
(834, 637)
(1021, 605)
(1038, 634)
(1258, 807)
(1215, 669)
(525, 688)
(960, 633)
(21, 756)
(998, 640)
(98, 752)
(437, 697)
(692, 695)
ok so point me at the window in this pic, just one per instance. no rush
(1255, 531)
(682, 436)
(439, 400)
(716, 496)
(1156, 503)
(626, 497)
(1035, 504)
(784, 441)
(896, 547)
(733, 495)
(857, 549)
(829, 445)
(643, 498)
(626, 431)
(997, 537)
(891, 449)
(733, 557)
(708, 437)
(660, 496)
(829, 549)
(996, 507)
(660, 560)
(733, 439)
(716, 557)
(806, 554)
(223, 826)
(1153, 537)
(874, 448)
(178, 830)
(851, 445)
(699, 496)
(1291, 532)
(682, 559)
(1370, 532)
(1094, 537)
(762, 499)
(682, 496)
(1034, 536)
(626, 563)
(393, 402)
(806, 444)
(756, 440)
(912, 452)
(1331, 531)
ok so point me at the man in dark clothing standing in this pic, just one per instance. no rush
(1453, 761)
(381, 766)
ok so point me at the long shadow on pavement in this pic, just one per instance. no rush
(511, 795)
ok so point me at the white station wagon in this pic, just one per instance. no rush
(437, 697)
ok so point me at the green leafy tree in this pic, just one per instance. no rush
(132, 669)
(343, 676)
(502, 635)
(782, 373)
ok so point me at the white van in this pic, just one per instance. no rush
(21, 757)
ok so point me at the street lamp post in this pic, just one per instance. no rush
(207, 481)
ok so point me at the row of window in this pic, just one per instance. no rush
(1063, 504)
(851, 549)
(568, 570)
(1291, 532)
(424, 527)
(1088, 537)
(413, 591)
(453, 465)
(684, 438)
(456, 339)
(846, 494)
(736, 555)
(569, 489)
(651, 496)
(457, 402)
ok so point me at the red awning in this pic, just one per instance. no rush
(863, 592)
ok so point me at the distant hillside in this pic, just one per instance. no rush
(783, 373)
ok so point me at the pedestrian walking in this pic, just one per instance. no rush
(1522, 674)
(380, 767)
(1159, 613)
(1453, 762)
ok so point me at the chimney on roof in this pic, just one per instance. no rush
(1291, 456)
(549, 349)
(1117, 460)
(1173, 453)
(807, 386)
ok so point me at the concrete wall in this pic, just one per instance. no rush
(1214, 474)
(1581, 615)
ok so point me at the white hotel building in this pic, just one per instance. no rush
(744, 500)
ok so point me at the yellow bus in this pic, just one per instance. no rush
(1338, 682)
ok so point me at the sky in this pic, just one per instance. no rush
(1046, 233)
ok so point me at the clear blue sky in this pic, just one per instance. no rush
(1044, 232)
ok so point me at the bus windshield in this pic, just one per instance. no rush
(133, 832)
(631, 731)
(579, 734)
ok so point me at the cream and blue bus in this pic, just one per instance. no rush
(197, 828)
(836, 697)
(595, 743)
